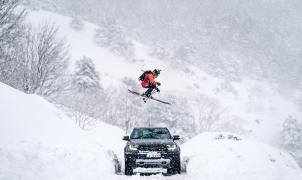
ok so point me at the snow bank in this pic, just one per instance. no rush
(108, 136)
(220, 156)
(37, 141)
(31, 118)
(36, 161)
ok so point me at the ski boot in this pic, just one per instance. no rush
(146, 97)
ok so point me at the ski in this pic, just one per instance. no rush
(152, 98)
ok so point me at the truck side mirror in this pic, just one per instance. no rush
(176, 137)
(126, 138)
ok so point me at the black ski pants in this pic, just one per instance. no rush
(150, 87)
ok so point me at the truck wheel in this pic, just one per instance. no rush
(175, 168)
(128, 169)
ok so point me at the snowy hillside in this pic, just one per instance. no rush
(31, 118)
(38, 141)
(228, 156)
(255, 106)
(230, 72)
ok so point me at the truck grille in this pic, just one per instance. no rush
(153, 148)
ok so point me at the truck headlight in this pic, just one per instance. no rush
(133, 147)
(171, 147)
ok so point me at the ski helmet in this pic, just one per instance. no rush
(156, 71)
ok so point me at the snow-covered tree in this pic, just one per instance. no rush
(9, 20)
(112, 35)
(161, 51)
(85, 96)
(84, 99)
(292, 133)
(46, 61)
(77, 23)
(181, 117)
(35, 60)
(208, 115)
(86, 79)
(263, 46)
(11, 31)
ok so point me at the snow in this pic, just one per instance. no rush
(31, 161)
(229, 156)
(31, 118)
(108, 136)
(256, 104)
(38, 141)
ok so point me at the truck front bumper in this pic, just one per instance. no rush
(141, 163)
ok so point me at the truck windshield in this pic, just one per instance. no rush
(150, 133)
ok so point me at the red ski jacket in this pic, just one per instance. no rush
(149, 79)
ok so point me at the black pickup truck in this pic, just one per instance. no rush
(152, 151)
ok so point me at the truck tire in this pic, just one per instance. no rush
(128, 168)
(175, 168)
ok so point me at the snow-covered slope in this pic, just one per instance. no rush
(38, 141)
(112, 68)
(31, 118)
(255, 104)
(221, 156)
(108, 136)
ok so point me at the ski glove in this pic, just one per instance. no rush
(158, 83)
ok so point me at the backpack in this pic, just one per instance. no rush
(142, 77)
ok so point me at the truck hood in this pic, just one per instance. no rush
(147, 142)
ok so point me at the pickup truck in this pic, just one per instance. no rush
(152, 151)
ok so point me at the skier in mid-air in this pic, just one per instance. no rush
(147, 81)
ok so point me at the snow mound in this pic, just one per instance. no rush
(229, 156)
(38, 141)
(35, 161)
(108, 136)
(31, 118)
